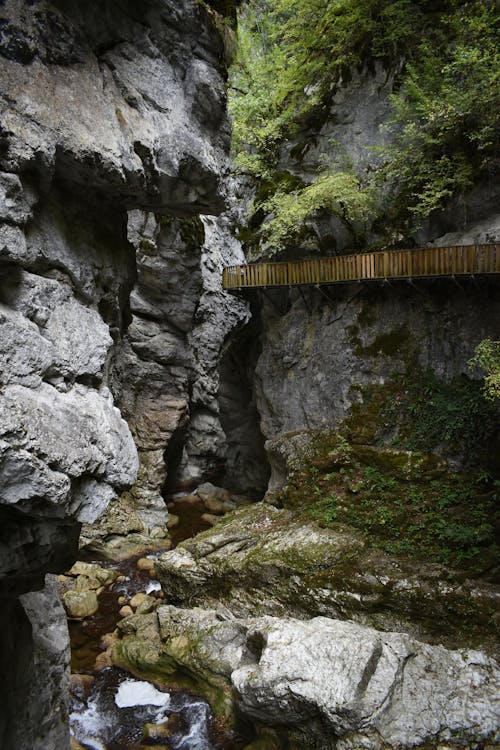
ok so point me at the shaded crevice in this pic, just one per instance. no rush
(247, 467)
(173, 458)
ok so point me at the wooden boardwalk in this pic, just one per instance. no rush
(427, 262)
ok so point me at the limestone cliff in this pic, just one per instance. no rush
(112, 117)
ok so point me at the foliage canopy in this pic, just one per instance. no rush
(295, 54)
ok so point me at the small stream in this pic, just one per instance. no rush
(112, 715)
(109, 707)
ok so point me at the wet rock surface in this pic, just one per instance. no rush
(109, 707)
(328, 682)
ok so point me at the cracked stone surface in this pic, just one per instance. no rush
(324, 682)
(265, 561)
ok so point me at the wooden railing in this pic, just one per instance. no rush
(468, 260)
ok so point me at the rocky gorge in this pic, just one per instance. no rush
(347, 594)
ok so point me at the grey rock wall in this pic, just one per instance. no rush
(317, 352)
(168, 365)
(105, 109)
(34, 657)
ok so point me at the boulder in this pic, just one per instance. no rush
(208, 491)
(322, 680)
(80, 604)
(265, 561)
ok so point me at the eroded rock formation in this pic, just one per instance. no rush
(105, 111)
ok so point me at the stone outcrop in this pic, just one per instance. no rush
(34, 658)
(110, 119)
(265, 561)
(321, 683)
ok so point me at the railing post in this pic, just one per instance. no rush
(386, 264)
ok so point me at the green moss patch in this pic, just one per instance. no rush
(419, 412)
(404, 502)
(176, 663)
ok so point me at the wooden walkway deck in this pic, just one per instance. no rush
(427, 262)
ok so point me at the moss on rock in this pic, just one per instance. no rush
(173, 657)
(262, 560)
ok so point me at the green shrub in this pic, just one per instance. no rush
(487, 357)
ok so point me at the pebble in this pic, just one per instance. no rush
(137, 599)
(214, 506)
(107, 640)
(103, 660)
(144, 563)
(173, 521)
(189, 500)
(126, 611)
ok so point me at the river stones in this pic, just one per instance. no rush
(173, 521)
(80, 604)
(81, 587)
(145, 563)
(208, 492)
(93, 571)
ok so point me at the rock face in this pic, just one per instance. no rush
(324, 683)
(110, 118)
(168, 367)
(314, 358)
(34, 713)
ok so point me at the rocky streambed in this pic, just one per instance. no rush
(259, 629)
(318, 641)
(110, 708)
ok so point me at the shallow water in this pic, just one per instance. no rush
(111, 714)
